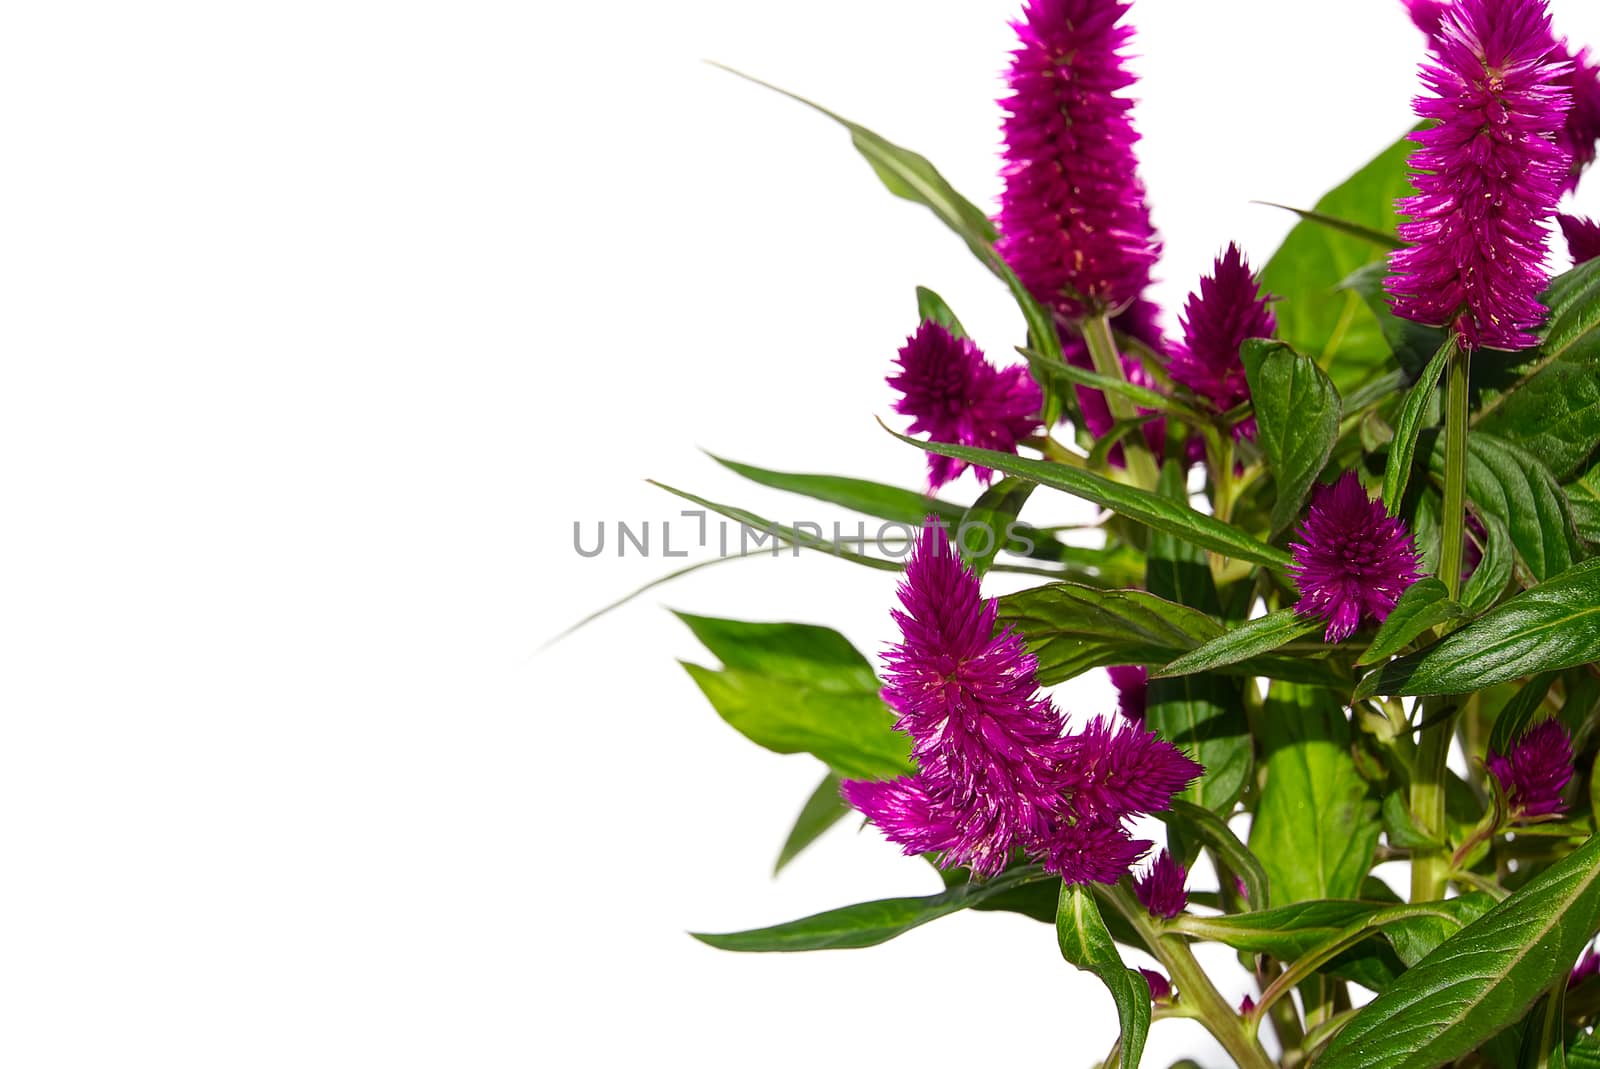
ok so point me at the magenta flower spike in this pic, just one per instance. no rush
(955, 395)
(1352, 561)
(1160, 890)
(1583, 237)
(1073, 222)
(1536, 771)
(1488, 175)
(996, 775)
(1226, 311)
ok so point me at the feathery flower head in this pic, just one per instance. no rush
(954, 395)
(1536, 771)
(1160, 890)
(1133, 688)
(1581, 130)
(1073, 222)
(1583, 237)
(1488, 175)
(1160, 986)
(1228, 309)
(995, 773)
(1352, 560)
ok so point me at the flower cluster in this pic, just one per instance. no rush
(996, 773)
(1351, 561)
(1218, 319)
(955, 395)
(1535, 772)
(1583, 237)
(1161, 890)
(1488, 174)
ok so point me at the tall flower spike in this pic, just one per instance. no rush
(1581, 130)
(985, 744)
(995, 775)
(1160, 890)
(1073, 222)
(1351, 561)
(954, 395)
(1488, 175)
(1536, 771)
(1583, 237)
(1227, 310)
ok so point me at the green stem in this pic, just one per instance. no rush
(1430, 869)
(1452, 521)
(1103, 351)
(1194, 988)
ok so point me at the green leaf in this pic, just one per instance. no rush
(1140, 506)
(1286, 932)
(762, 532)
(1315, 828)
(1085, 942)
(1555, 625)
(1488, 580)
(1202, 714)
(795, 688)
(1250, 639)
(1403, 450)
(1519, 712)
(1071, 628)
(1413, 344)
(1553, 408)
(1425, 604)
(1297, 412)
(1315, 314)
(874, 499)
(1511, 484)
(931, 306)
(987, 524)
(1401, 828)
(1207, 828)
(868, 923)
(1381, 239)
(1584, 494)
(1077, 376)
(822, 810)
(1481, 979)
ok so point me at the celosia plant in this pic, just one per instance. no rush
(1347, 589)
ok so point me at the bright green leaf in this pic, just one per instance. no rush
(1085, 942)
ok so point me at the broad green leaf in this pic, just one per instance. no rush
(986, 527)
(1425, 604)
(1315, 828)
(1584, 494)
(795, 688)
(1071, 628)
(1200, 824)
(1403, 450)
(1085, 942)
(1555, 625)
(1513, 486)
(1519, 712)
(1140, 506)
(931, 306)
(1315, 314)
(758, 533)
(1553, 408)
(1202, 714)
(1483, 978)
(1250, 639)
(868, 923)
(822, 810)
(1297, 415)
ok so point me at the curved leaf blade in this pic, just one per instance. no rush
(1403, 450)
(1250, 639)
(1297, 416)
(1081, 933)
(1425, 604)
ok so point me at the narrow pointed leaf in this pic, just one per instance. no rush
(1250, 639)
(822, 810)
(932, 306)
(1085, 942)
(1425, 604)
(1403, 450)
(987, 525)
(1206, 827)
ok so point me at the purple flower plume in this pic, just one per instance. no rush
(995, 773)
(1073, 222)
(1351, 561)
(1583, 237)
(1160, 890)
(954, 395)
(1536, 771)
(1227, 310)
(1488, 175)
(1581, 131)
(1133, 688)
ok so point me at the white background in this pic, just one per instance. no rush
(322, 323)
